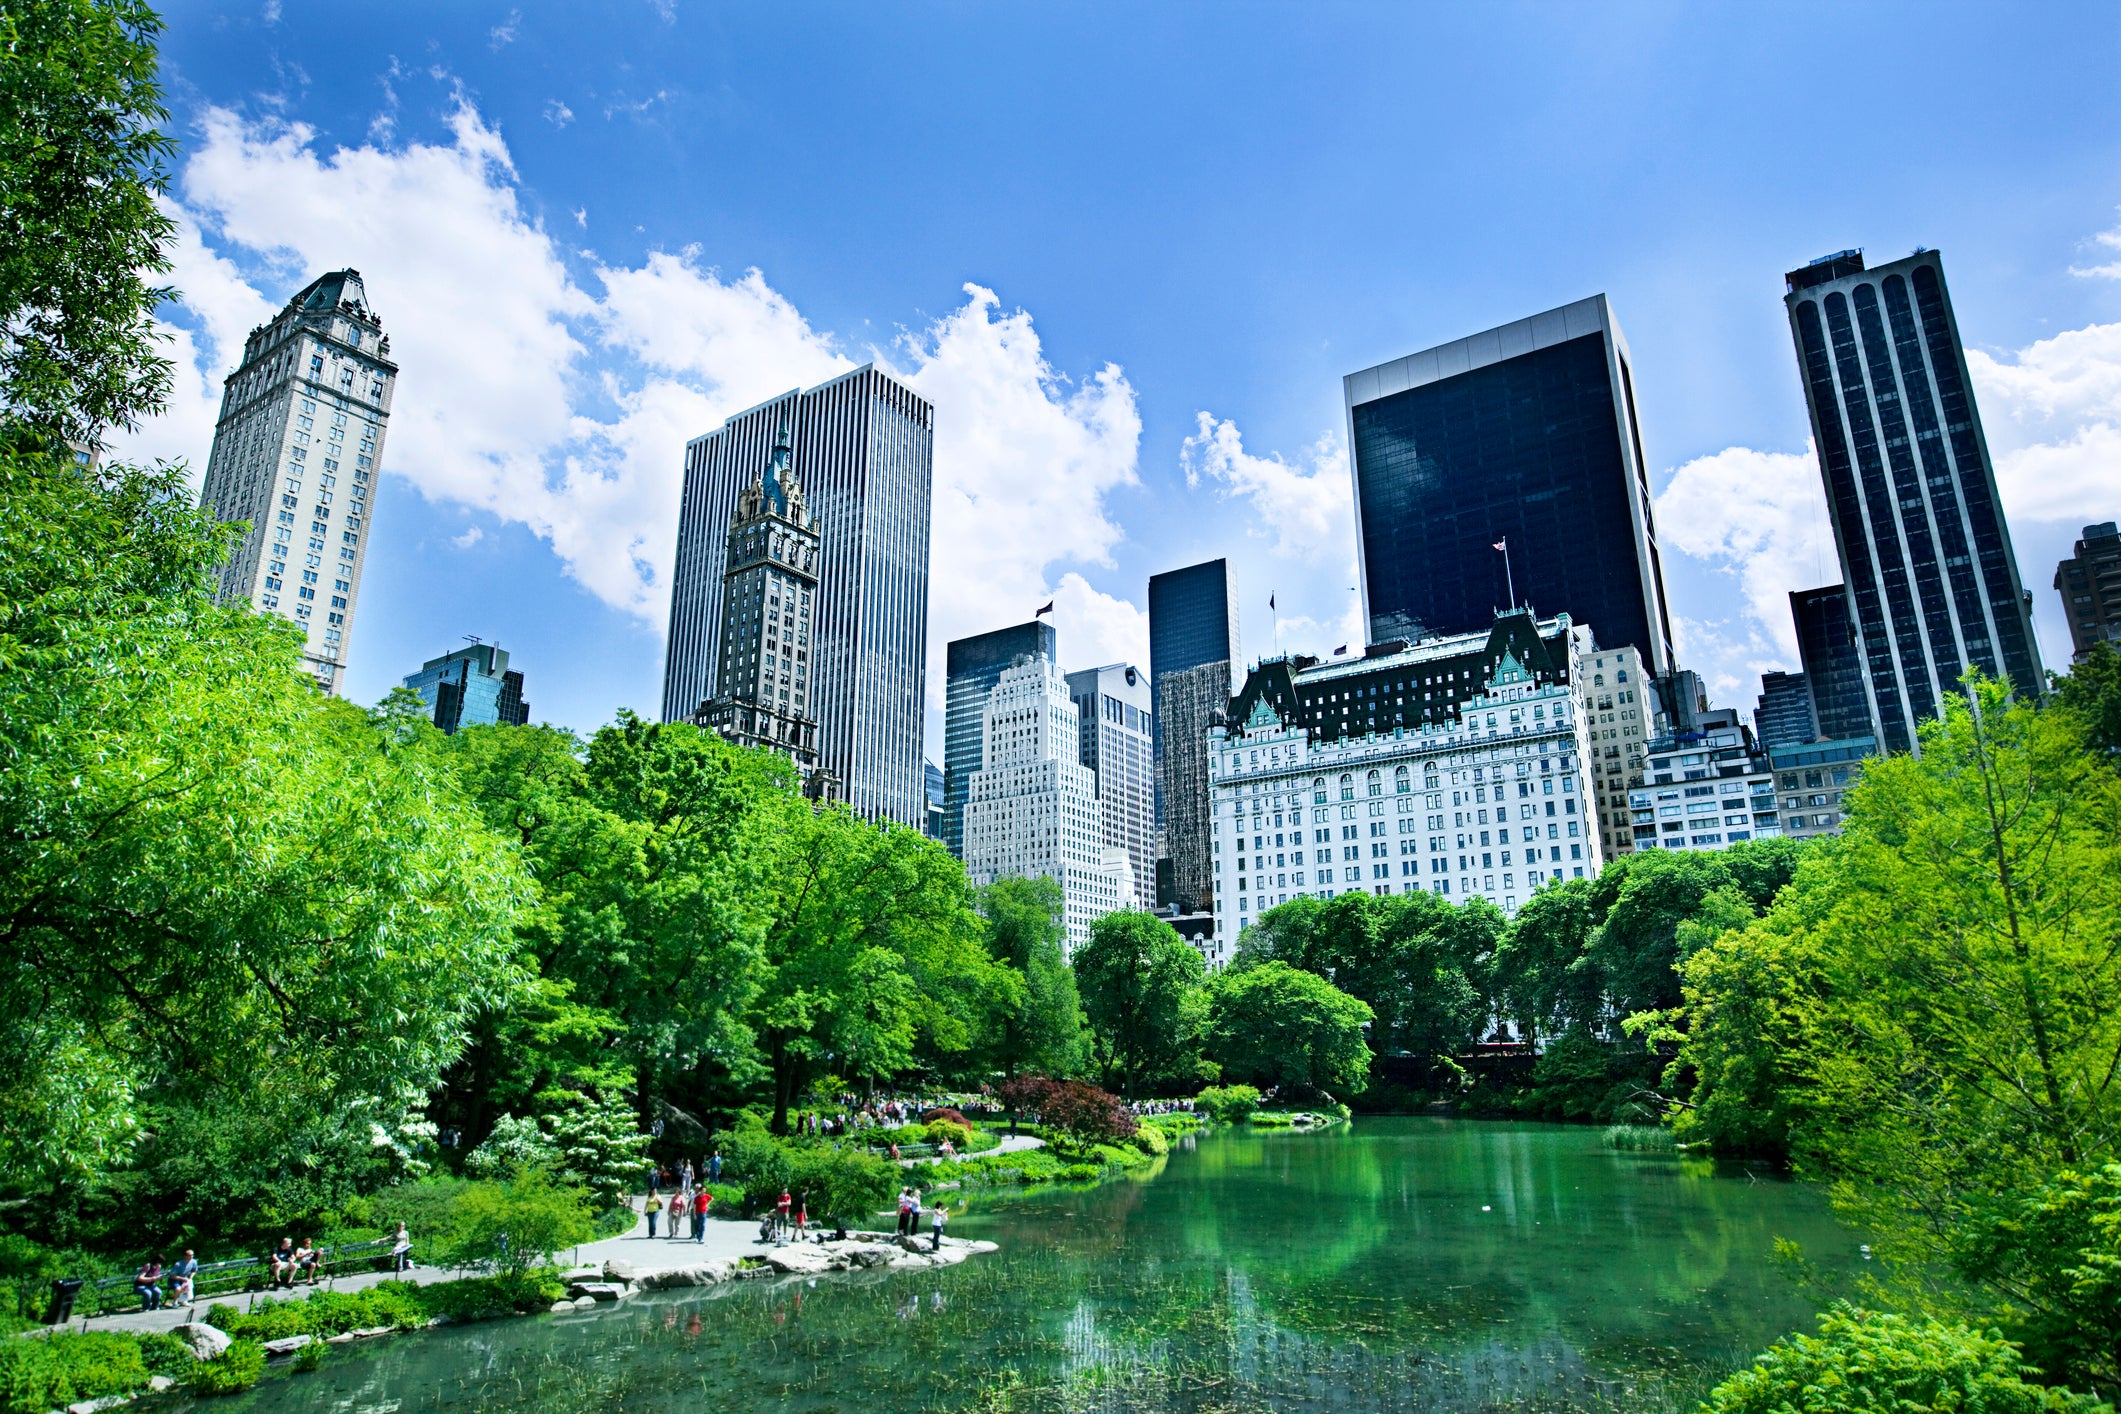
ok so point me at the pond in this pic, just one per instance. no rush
(1390, 1264)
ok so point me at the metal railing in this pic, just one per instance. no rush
(234, 1277)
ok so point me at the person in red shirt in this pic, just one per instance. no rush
(701, 1202)
(780, 1213)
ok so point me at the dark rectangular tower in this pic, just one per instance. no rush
(1194, 654)
(864, 452)
(1525, 434)
(2090, 585)
(1784, 714)
(971, 667)
(1919, 528)
(1833, 669)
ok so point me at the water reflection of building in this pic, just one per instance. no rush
(1457, 766)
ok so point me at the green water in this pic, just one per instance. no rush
(1391, 1264)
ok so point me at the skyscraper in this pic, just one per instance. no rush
(296, 453)
(1919, 528)
(1193, 656)
(1524, 436)
(472, 687)
(769, 588)
(2090, 585)
(1032, 804)
(1784, 715)
(1833, 669)
(972, 667)
(864, 445)
(1113, 704)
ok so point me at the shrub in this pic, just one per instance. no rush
(164, 1354)
(481, 1298)
(844, 1185)
(516, 1225)
(1865, 1362)
(323, 1313)
(1083, 1113)
(949, 1114)
(1151, 1141)
(958, 1133)
(1227, 1104)
(50, 1372)
(309, 1357)
(236, 1370)
(1079, 1173)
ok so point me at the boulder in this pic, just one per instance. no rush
(870, 1254)
(206, 1342)
(371, 1332)
(711, 1273)
(286, 1345)
(584, 1303)
(96, 1406)
(160, 1384)
(561, 1306)
(806, 1259)
(616, 1270)
(343, 1338)
(597, 1290)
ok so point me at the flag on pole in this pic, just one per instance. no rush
(1340, 650)
(1270, 601)
(1501, 544)
(1047, 610)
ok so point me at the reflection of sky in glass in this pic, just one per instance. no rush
(1352, 1270)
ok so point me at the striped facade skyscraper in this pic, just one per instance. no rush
(1932, 582)
(297, 451)
(863, 445)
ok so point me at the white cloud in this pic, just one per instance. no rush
(1307, 510)
(1759, 517)
(2109, 243)
(558, 113)
(2052, 412)
(505, 32)
(468, 539)
(566, 409)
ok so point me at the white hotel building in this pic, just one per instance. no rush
(1457, 765)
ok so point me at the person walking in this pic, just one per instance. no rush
(902, 1210)
(935, 1227)
(780, 1214)
(802, 1213)
(400, 1252)
(652, 1209)
(714, 1167)
(701, 1202)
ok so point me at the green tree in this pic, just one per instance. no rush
(1038, 1022)
(1273, 1024)
(213, 881)
(82, 159)
(515, 1225)
(2091, 692)
(1141, 989)
(2054, 1255)
(1864, 1362)
(872, 950)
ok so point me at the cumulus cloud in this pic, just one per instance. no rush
(2052, 412)
(2107, 243)
(468, 539)
(563, 402)
(1306, 510)
(1759, 517)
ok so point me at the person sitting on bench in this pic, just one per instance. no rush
(306, 1259)
(148, 1284)
(182, 1276)
(282, 1262)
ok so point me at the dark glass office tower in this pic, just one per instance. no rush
(1784, 714)
(1525, 434)
(865, 444)
(1194, 651)
(1833, 669)
(1924, 550)
(972, 666)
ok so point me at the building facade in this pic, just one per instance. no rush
(972, 666)
(1708, 789)
(297, 453)
(1833, 666)
(2090, 585)
(1194, 649)
(471, 687)
(1524, 436)
(932, 778)
(865, 444)
(1783, 715)
(1112, 704)
(1621, 705)
(769, 601)
(1811, 779)
(1031, 808)
(1458, 765)
(1932, 581)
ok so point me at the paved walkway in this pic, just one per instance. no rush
(724, 1239)
(1011, 1144)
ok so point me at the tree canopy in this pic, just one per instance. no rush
(1141, 990)
(1272, 1024)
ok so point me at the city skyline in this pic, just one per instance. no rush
(568, 354)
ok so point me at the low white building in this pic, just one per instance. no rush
(1031, 807)
(1708, 789)
(1457, 765)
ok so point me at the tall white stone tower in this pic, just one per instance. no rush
(1033, 808)
(296, 453)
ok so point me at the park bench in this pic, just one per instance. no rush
(113, 1296)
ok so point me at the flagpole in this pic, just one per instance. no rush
(1509, 575)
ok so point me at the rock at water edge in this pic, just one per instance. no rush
(206, 1342)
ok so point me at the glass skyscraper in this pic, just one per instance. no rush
(972, 666)
(1924, 551)
(1833, 670)
(1526, 435)
(865, 446)
(471, 687)
(1194, 653)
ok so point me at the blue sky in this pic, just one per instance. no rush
(1129, 251)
